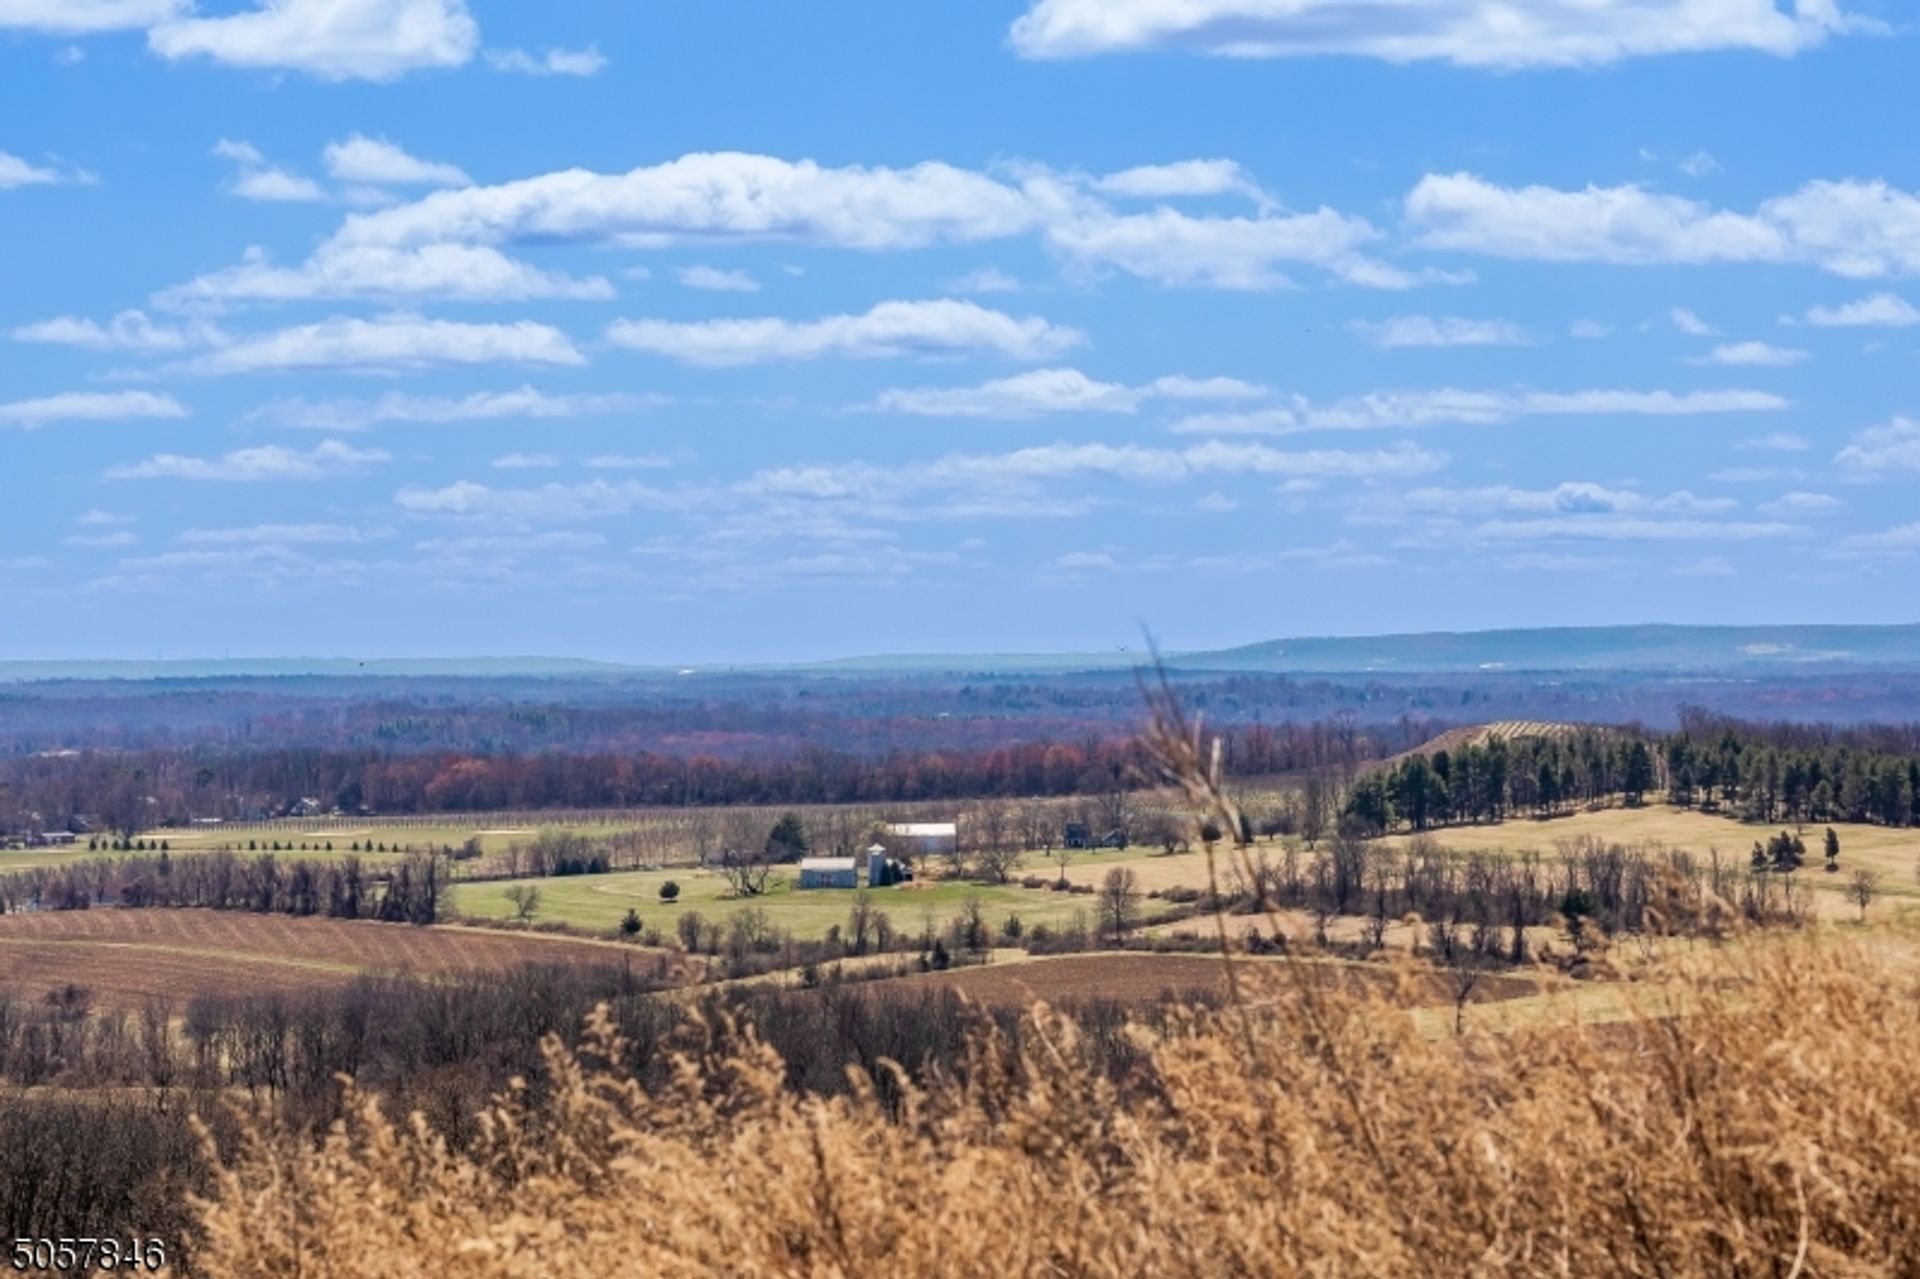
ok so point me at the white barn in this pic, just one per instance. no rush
(928, 838)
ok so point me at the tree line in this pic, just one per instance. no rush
(1757, 773)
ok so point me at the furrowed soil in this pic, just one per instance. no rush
(124, 958)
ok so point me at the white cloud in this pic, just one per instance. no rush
(889, 329)
(1893, 447)
(1169, 247)
(453, 272)
(1588, 330)
(1776, 442)
(1184, 177)
(1709, 566)
(1015, 478)
(1687, 322)
(574, 62)
(127, 331)
(1023, 395)
(1445, 330)
(1396, 409)
(249, 465)
(1217, 503)
(1083, 562)
(1612, 528)
(15, 172)
(263, 182)
(395, 341)
(102, 541)
(985, 280)
(274, 535)
(525, 462)
(1851, 228)
(380, 163)
(276, 186)
(700, 196)
(1801, 503)
(330, 39)
(628, 462)
(482, 406)
(97, 518)
(715, 280)
(1699, 165)
(82, 17)
(90, 406)
(1574, 498)
(567, 502)
(1903, 540)
(1178, 386)
(723, 193)
(1749, 354)
(1060, 390)
(1473, 33)
(1884, 309)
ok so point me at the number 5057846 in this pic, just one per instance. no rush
(67, 1256)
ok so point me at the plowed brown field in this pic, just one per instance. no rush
(126, 957)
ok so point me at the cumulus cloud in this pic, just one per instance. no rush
(15, 172)
(1881, 450)
(1901, 541)
(90, 406)
(1689, 323)
(1441, 331)
(889, 329)
(453, 272)
(704, 195)
(574, 62)
(1471, 33)
(524, 402)
(525, 462)
(714, 280)
(723, 193)
(1184, 177)
(84, 17)
(263, 182)
(1851, 227)
(127, 331)
(1881, 309)
(1168, 246)
(252, 465)
(377, 162)
(394, 341)
(1059, 390)
(1751, 354)
(1396, 409)
(329, 39)
(1801, 503)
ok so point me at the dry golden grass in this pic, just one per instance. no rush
(1769, 1130)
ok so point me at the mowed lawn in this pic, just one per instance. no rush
(599, 902)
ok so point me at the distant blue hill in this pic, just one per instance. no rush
(1733, 651)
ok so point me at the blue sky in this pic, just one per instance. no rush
(745, 331)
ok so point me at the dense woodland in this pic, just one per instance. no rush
(1757, 772)
(132, 791)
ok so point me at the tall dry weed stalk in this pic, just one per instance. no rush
(1753, 1121)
